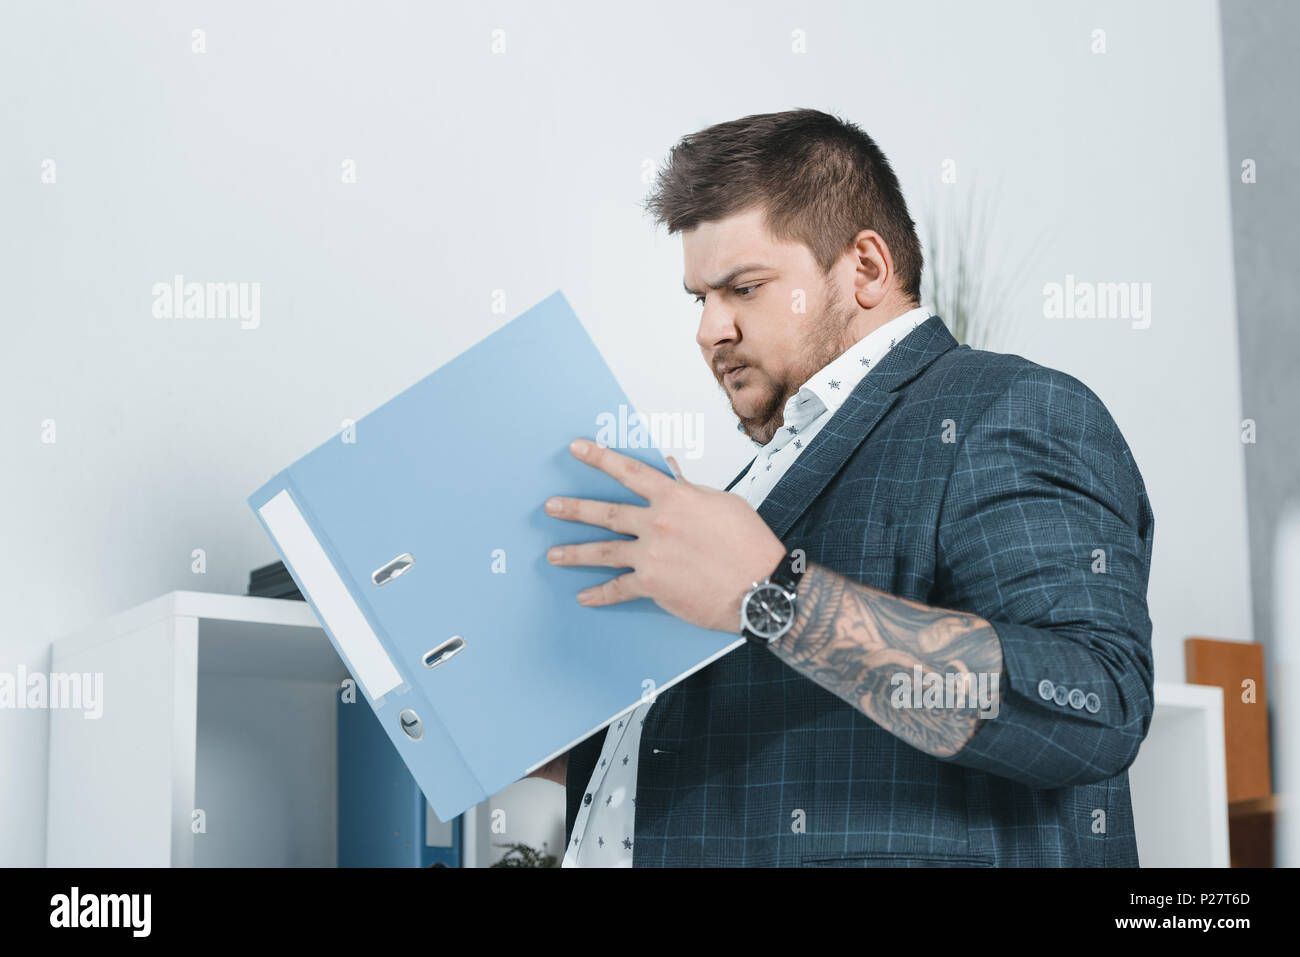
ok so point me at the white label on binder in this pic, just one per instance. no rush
(360, 645)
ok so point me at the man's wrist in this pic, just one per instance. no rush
(780, 586)
(805, 599)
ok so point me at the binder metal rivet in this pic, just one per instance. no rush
(394, 569)
(411, 724)
(453, 645)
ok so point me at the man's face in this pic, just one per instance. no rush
(760, 348)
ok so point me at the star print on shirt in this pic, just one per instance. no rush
(609, 800)
(625, 760)
(865, 361)
(600, 841)
(834, 383)
(798, 444)
(627, 844)
(792, 430)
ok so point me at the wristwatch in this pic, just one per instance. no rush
(767, 610)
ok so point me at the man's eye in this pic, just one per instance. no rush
(739, 290)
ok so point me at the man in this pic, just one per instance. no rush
(944, 582)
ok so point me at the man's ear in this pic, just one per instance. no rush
(874, 274)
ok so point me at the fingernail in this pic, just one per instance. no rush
(553, 505)
(553, 555)
(579, 446)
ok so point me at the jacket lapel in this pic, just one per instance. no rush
(849, 427)
(743, 473)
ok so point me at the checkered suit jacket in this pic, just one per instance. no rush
(967, 480)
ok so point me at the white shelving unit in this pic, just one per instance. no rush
(1179, 781)
(221, 703)
(226, 704)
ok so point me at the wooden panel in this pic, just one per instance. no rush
(1251, 837)
(1229, 665)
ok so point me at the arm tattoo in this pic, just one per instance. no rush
(926, 675)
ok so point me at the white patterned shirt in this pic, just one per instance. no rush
(603, 828)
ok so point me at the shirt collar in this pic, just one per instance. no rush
(828, 387)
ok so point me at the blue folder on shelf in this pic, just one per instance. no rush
(383, 818)
(419, 539)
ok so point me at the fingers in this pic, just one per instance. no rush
(643, 479)
(615, 553)
(677, 470)
(647, 482)
(620, 589)
(624, 519)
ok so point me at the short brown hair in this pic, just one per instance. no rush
(819, 180)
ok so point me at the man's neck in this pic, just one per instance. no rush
(869, 320)
(879, 318)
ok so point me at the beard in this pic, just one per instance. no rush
(766, 394)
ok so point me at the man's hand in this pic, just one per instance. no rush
(696, 550)
(556, 770)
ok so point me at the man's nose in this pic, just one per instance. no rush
(717, 327)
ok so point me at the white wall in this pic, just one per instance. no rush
(523, 172)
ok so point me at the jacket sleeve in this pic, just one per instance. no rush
(1045, 531)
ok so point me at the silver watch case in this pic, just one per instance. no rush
(767, 611)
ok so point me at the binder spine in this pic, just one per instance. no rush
(314, 565)
(435, 743)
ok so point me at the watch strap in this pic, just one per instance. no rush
(785, 575)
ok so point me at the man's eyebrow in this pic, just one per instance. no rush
(729, 278)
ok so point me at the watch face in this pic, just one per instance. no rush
(768, 610)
